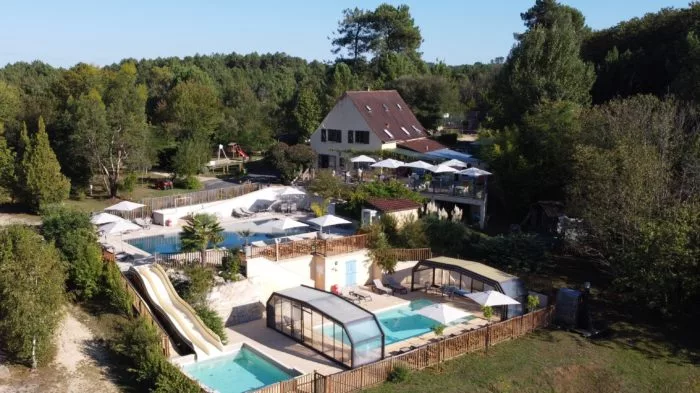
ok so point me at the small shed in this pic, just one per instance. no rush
(401, 209)
(469, 276)
(543, 216)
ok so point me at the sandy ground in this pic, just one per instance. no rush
(76, 367)
(12, 218)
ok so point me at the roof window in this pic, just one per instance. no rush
(399, 106)
(389, 133)
(417, 129)
(405, 131)
(386, 108)
(369, 108)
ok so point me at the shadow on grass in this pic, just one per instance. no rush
(113, 365)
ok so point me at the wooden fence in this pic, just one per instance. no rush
(186, 199)
(141, 307)
(211, 258)
(427, 355)
(410, 254)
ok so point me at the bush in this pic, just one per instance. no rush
(84, 261)
(488, 312)
(171, 380)
(231, 266)
(533, 302)
(58, 220)
(195, 290)
(188, 183)
(213, 321)
(517, 251)
(129, 183)
(117, 297)
(439, 329)
(398, 374)
(412, 235)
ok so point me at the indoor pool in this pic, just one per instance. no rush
(402, 323)
(240, 372)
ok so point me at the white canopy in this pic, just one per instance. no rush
(363, 158)
(442, 169)
(418, 165)
(474, 172)
(443, 313)
(455, 163)
(117, 227)
(125, 206)
(104, 218)
(329, 220)
(389, 163)
(491, 298)
(282, 225)
(291, 191)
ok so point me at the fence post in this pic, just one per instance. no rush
(362, 377)
(488, 338)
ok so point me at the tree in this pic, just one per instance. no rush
(9, 104)
(290, 161)
(199, 231)
(8, 178)
(339, 81)
(190, 158)
(428, 96)
(194, 111)
(327, 186)
(545, 65)
(31, 294)
(355, 34)
(44, 183)
(112, 127)
(307, 113)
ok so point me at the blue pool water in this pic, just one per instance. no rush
(168, 244)
(243, 371)
(402, 323)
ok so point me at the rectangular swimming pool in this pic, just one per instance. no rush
(239, 372)
(169, 244)
(402, 323)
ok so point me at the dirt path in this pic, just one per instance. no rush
(77, 367)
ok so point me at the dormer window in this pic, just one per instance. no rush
(389, 133)
(405, 131)
(417, 129)
(369, 108)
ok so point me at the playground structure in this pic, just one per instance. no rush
(226, 157)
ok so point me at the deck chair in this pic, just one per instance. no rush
(396, 286)
(246, 211)
(361, 297)
(381, 288)
(259, 243)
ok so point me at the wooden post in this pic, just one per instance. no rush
(488, 338)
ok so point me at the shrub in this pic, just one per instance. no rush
(212, 320)
(171, 380)
(195, 290)
(84, 261)
(117, 297)
(129, 183)
(439, 329)
(58, 220)
(488, 312)
(518, 251)
(533, 302)
(231, 266)
(412, 235)
(188, 183)
(398, 374)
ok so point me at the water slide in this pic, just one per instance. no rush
(179, 313)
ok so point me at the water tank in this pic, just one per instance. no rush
(368, 216)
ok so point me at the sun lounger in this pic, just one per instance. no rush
(246, 211)
(361, 297)
(259, 243)
(380, 288)
(396, 286)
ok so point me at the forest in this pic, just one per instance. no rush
(606, 121)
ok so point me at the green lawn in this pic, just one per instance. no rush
(99, 202)
(557, 361)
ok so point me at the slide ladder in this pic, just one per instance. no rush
(179, 313)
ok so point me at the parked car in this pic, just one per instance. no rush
(164, 184)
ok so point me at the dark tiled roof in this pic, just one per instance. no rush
(386, 110)
(422, 145)
(388, 205)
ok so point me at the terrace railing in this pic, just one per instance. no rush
(410, 254)
(431, 354)
(325, 247)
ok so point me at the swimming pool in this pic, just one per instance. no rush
(239, 372)
(168, 244)
(402, 323)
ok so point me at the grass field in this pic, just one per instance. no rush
(558, 361)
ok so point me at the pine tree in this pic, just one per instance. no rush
(7, 166)
(22, 144)
(307, 112)
(43, 181)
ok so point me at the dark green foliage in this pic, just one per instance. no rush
(212, 320)
(412, 234)
(8, 177)
(112, 288)
(57, 220)
(191, 156)
(391, 189)
(129, 183)
(378, 244)
(32, 294)
(188, 183)
(43, 182)
(451, 238)
(231, 265)
(398, 374)
(429, 96)
(170, 380)
(307, 113)
(199, 283)
(328, 186)
(290, 161)
(523, 252)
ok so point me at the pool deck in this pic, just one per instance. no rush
(381, 303)
(280, 347)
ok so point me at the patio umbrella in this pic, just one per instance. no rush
(282, 225)
(491, 298)
(125, 206)
(104, 218)
(118, 227)
(443, 313)
(455, 163)
(363, 158)
(442, 169)
(328, 220)
(291, 191)
(474, 172)
(389, 163)
(418, 165)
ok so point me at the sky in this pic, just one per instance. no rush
(63, 33)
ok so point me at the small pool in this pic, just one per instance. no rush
(402, 323)
(239, 372)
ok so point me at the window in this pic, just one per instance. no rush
(386, 108)
(417, 129)
(350, 136)
(323, 134)
(362, 137)
(389, 133)
(369, 108)
(405, 131)
(399, 106)
(335, 136)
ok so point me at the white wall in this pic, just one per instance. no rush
(344, 116)
(268, 277)
(222, 208)
(403, 272)
(335, 274)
